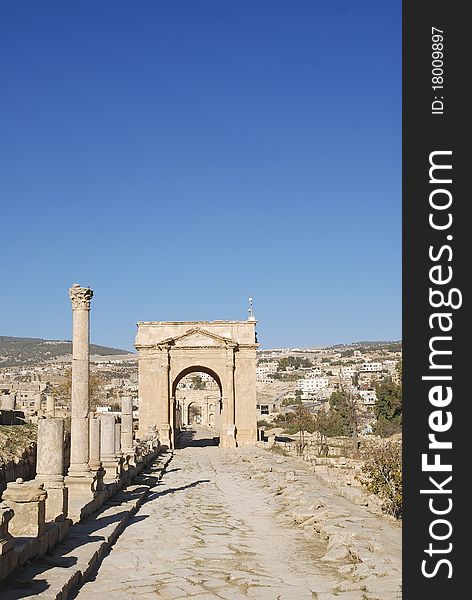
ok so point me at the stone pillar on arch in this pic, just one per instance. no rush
(165, 411)
(154, 392)
(228, 428)
(245, 390)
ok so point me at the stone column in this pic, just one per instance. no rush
(37, 402)
(28, 503)
(50, 466)
(95, 462)
(117, 439)
(123, 459)
(127, 428)
(107, 452)
(79, 450)
(50, 406)
(94, 431)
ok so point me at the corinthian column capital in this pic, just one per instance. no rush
(80, 297)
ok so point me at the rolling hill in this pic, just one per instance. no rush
(25, 351)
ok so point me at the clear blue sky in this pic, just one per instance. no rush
(180, 156)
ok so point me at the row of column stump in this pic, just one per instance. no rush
(35, 515)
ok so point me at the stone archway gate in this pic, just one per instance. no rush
(170, 350)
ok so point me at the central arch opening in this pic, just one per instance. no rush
(197, 394)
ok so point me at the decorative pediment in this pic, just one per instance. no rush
(200, 338)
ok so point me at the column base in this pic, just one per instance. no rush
(247, 437)
(56, 501)
(112, 469)
(83, 498)
(228, 437)
(81, 470)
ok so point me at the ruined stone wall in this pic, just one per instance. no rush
(17, 453)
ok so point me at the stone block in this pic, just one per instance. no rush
(28, 501)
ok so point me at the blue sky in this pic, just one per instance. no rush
(180, 156)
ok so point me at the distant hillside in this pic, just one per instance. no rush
(24, 351)
(393, 346)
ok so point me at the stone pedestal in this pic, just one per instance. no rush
(166, 435)
(50, 466)
(28, 501)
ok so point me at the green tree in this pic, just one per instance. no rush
(198, 383)
(326, 423)
(340, 420)
(297, 420)
(63, 390)
(294, 362)
(194, 411)
(346, 417)
(388, 407)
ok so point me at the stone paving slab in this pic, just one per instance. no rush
(59, 573)
(246, 524)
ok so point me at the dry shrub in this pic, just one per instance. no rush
(382, 474)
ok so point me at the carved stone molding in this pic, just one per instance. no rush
(80, 297)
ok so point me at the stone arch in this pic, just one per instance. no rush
(226, 350)
(190, 397)
(196, 369)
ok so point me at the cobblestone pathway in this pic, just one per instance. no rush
(208, 531)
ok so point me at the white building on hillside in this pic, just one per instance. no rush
(368, 396)
(371, 367)
(310, 385)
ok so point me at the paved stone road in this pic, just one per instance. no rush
(209, 531)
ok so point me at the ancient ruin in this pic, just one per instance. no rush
(104, 458)
(225, 350)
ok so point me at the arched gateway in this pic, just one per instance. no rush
(226, 350)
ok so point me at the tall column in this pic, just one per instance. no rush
(79, 445)
(50, 466)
